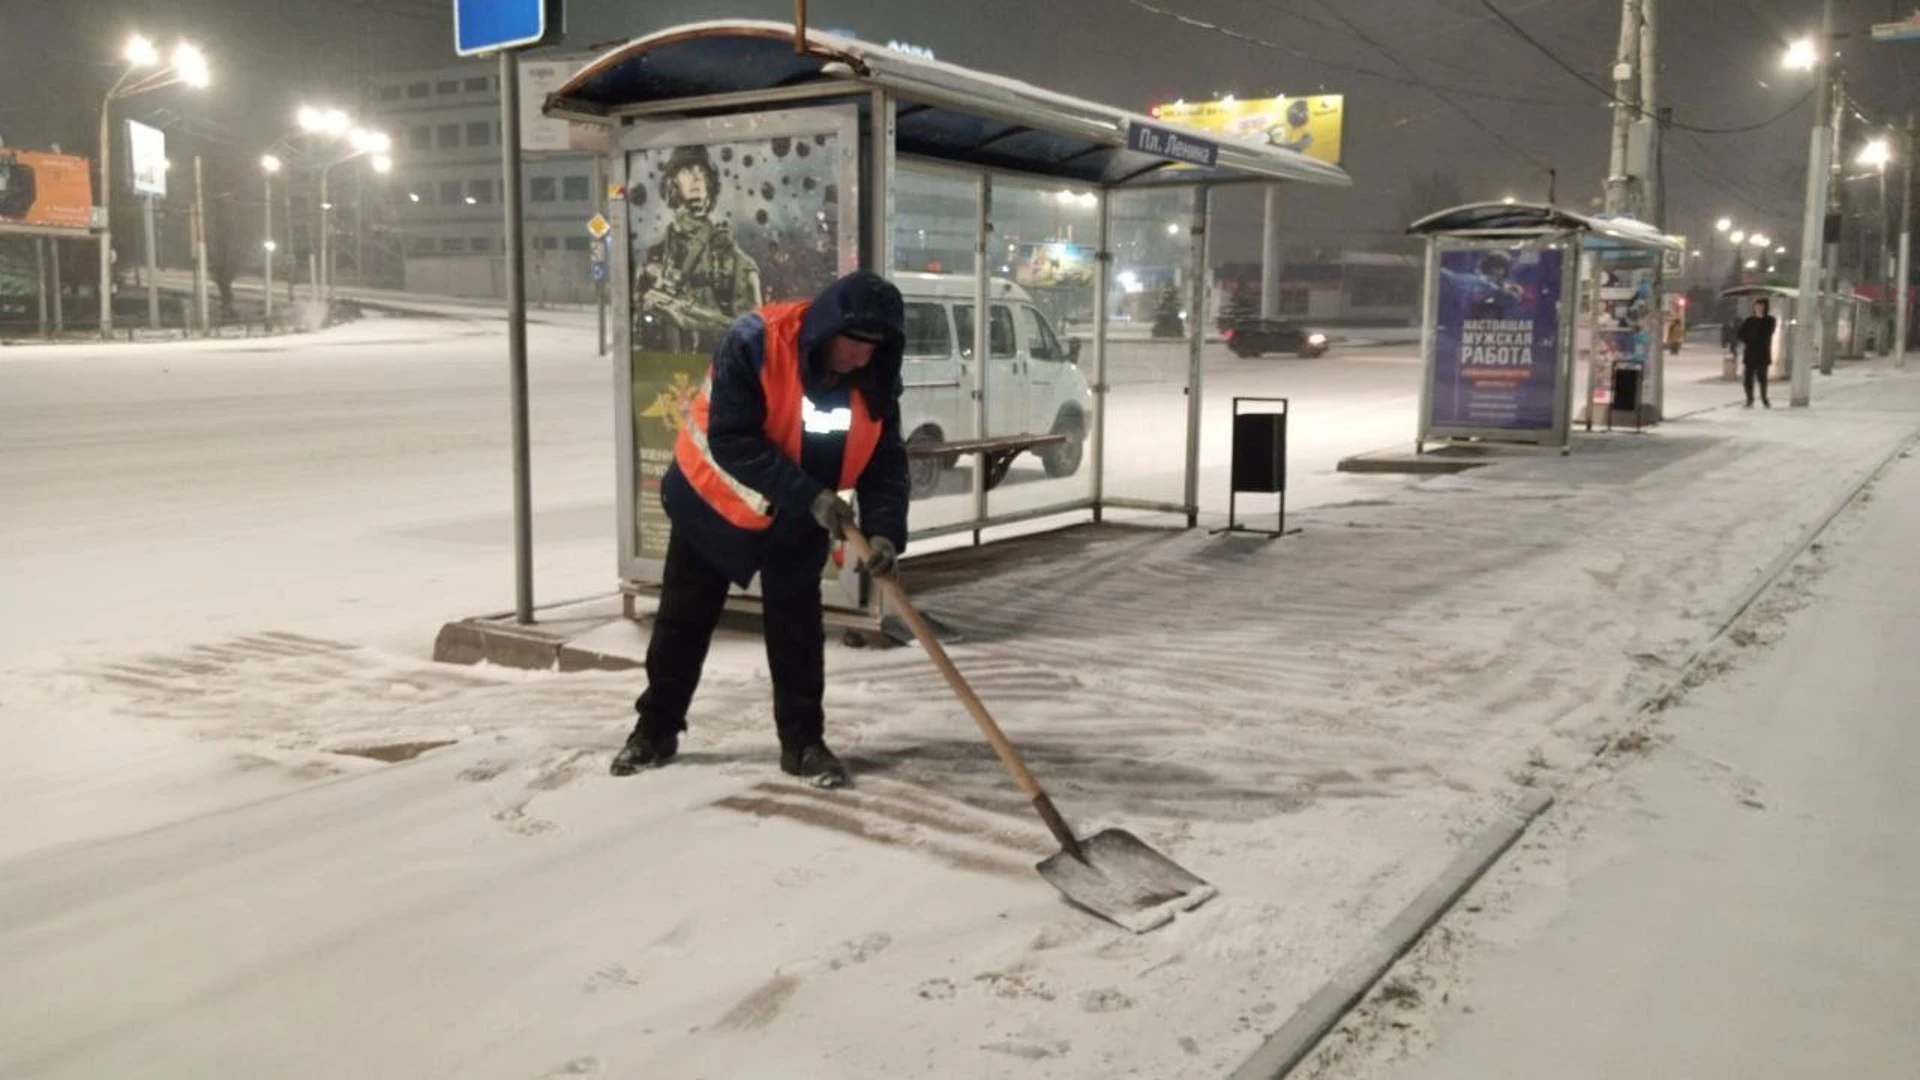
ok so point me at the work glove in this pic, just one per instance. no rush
(882, 557)
(832, 512)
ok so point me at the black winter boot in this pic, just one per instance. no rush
(644, 752)
(815, 763)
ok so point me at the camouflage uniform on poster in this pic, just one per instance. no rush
(696, 280)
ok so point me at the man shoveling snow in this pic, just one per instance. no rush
(802, 401)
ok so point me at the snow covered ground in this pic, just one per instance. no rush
(226, 562)
(1731, 897)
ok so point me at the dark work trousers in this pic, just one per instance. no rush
(692, 594)
(1753, 374)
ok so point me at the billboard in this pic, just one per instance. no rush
(147, 148)
(1496, 358)
(45, 191)
(1310, 125)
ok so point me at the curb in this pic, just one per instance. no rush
(1287, 1047)
(1301, 1035)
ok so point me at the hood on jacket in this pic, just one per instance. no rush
(860, 300)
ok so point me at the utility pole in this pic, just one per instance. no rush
(1836, 223)
(1626, 107)
(153, 265)
(59, 287)
(1270, 255)
(1883, 269)
(1813, 223)
(1650, 193)
(1652, 211)
(200, 247)
(1902, 311)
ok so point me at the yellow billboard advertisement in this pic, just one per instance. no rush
(1310, 125)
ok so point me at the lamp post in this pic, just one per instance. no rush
(361, 143)
(1812, 55)
(1875, 155)
(144, 73)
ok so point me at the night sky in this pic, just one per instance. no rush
(1433, 86)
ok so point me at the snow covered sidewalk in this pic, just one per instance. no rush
(1313, 724)
(1736, 898)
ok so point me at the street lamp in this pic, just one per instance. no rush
(145, 72)
(361, 142)
(1876, 155)
(1802, 55)
(270, 166)
(1723, 225)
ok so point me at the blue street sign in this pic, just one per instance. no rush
(1172, 145)
(486, 26)
(599, 273)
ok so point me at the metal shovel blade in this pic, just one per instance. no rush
(1126, 882)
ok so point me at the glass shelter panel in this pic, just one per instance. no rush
(1040, 342)
(1148, 356)
(936, 215)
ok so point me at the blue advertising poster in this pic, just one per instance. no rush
(1496, 341)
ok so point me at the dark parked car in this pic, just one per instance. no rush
(1257, 337)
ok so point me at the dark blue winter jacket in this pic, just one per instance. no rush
(736, 432)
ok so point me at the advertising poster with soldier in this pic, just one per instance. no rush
(717, 228)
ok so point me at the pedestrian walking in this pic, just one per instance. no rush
(1756, 350)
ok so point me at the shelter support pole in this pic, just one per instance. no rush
(1270, 255)
(1429, 312)
(1102, 283)
(1196, 346)
(982, 236)
(600, 206)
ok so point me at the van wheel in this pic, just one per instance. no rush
(924, 472)
(1064, 459)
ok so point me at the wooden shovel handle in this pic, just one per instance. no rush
(995, 738)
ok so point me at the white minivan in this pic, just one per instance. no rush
(1034, 384)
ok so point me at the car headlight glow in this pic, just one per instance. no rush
(1316, 339)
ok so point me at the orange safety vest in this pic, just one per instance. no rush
(788, 415)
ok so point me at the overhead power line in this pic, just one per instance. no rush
(1362, 34)
(1521, 33)
(1358, 69)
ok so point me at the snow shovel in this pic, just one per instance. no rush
(1113, 873)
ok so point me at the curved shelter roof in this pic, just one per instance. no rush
(1521, 220)
(944, 112)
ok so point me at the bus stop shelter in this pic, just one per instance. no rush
(1534, 316)
(749, 164)
(1847, 314)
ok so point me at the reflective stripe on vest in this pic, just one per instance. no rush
(790, 417)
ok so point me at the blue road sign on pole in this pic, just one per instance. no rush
(599, 271)
(486, 26)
